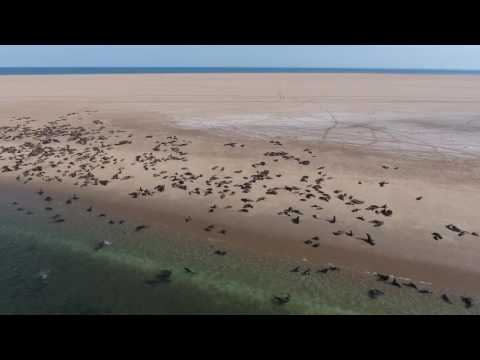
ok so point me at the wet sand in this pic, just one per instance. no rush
(416, 133)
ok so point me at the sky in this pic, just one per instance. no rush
(455, 57)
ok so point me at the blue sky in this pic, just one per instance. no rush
(378, 56)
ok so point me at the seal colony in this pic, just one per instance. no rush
(314, 204)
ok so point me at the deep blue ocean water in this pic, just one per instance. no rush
(213, 70)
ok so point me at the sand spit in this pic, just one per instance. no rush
(377, 173)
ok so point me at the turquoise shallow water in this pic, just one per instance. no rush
(111, 281)
(78, 280)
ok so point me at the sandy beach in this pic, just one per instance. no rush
(377, 173)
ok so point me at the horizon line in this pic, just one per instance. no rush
(233, 67)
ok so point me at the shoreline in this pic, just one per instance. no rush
(238, 280)
(253, 241)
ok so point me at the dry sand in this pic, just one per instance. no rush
(426, 126)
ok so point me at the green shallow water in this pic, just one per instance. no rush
(112, 280)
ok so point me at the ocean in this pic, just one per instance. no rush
(219, 70)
